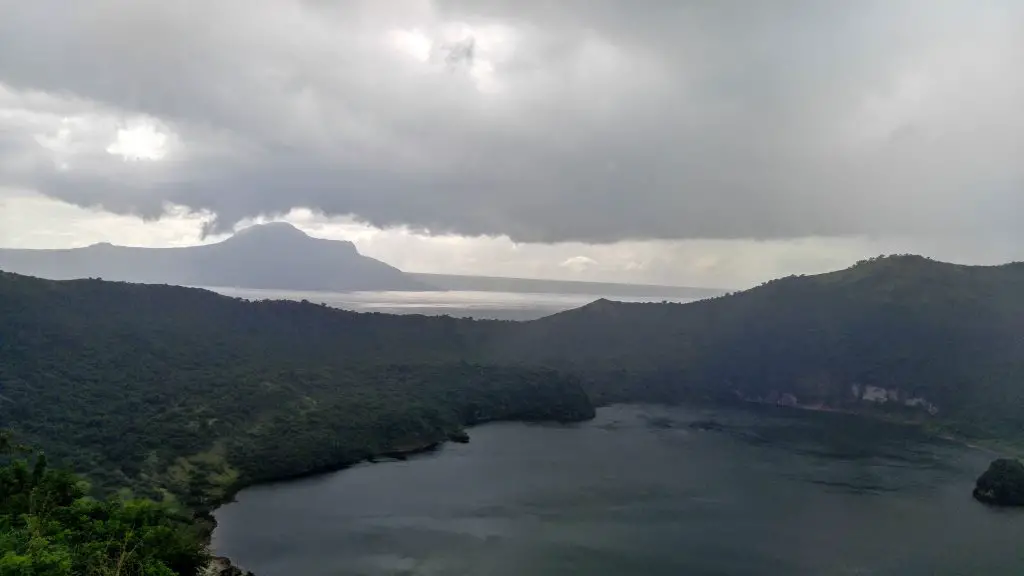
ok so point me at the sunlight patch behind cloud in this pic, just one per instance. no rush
(578, 263)
(139, 140)
(412, 43)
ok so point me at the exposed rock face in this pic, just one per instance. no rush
(859, 397)
(1002, 484)
(880, 395)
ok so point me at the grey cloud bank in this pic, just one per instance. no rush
(592, 121)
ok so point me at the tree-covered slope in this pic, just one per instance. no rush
(50, 527)
(186, 392)
(193, 392)
(183, 394)
(922, 334)
(1002, 484)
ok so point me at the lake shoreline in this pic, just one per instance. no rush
(208, 522)
(993, 447)
(432, 445)
(545, 495)
(223, 566)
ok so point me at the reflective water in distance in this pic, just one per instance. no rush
(458, 303)
(641, 490)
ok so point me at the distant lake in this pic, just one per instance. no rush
(639, 491)
(458, 303)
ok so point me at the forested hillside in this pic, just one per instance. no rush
(183, 395)
(50, 527)
(164, 386)
(182, 392)
(900, 332)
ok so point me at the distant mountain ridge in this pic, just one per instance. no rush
(270, 256)
(279, 256)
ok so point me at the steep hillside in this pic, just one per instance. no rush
(185, 390)
(900, 331)
(184, 395)
(163, 388)
(273, 256)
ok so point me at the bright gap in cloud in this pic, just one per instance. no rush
(32, 220)
(578, 263)
(412, 43)
(139, 141)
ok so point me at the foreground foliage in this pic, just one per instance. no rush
(49, 527)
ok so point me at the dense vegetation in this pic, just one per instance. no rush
(181, 393)
(49, 527)
(951, 335)
(182, 396)
(1002, 484)
(147, 386)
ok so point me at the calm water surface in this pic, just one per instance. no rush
(638, 491)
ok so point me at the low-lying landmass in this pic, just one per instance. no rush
(182, 396)
(1002, 484)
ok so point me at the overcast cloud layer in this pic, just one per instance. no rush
(592, 121)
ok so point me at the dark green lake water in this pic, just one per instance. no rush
(637, 491)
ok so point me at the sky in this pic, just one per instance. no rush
(657, 141)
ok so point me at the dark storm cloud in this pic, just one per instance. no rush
(547, 121)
